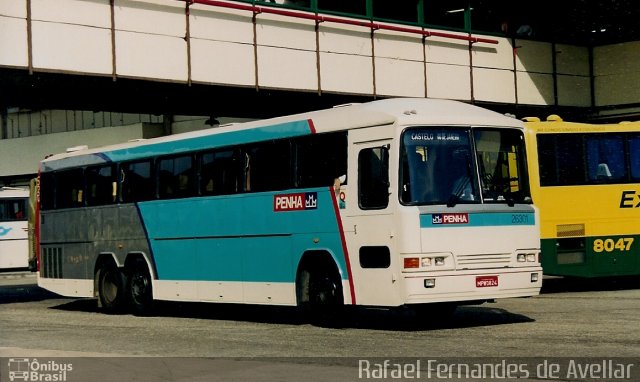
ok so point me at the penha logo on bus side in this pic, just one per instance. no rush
(295, 202)
(458, 218)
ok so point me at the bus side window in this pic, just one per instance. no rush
(373, 178)
(100, 188)
(20, 209)
(4, 211)
(13, 209)
(634, 154)
(561, 159)
(47, 191)
(137, 181)
(268, 166)
(219, 172)
(70, 188)
(605, 157)
(176, 177)
(321, 160)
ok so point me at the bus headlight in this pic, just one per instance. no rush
(428, 262)
(527, 257)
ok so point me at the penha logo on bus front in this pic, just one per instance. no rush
(457, 218)
(295, 202)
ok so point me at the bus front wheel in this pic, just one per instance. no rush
(111, 288)
(321, 295)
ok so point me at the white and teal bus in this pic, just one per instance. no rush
(397, 202)
(14, 243)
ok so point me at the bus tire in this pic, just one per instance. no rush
(139, 288)
(111, 291)
(321, 295)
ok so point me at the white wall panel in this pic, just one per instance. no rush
(151, 56)
(13, 42)
(346, 73)
(286, 32)
(399, 78)
(535, 89)
(345, 39)
(616, 59)
(617, 74)
(74, 36)
(494, 85)
(287, 68)
(13, 8)
(448, 81)
(498, 56)
(286, 53)
(71, 47)
(617, 89)
(398, 45)
(222, 63)
(400, 69)
(447, 51)
(572, 59)
(534, 56)
(219, 24)
(164, 17)
(574, 90)
(221, 46)
(94, 13)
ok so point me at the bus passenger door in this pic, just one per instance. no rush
(368, 223)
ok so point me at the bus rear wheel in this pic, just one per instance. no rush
(111, 288)
(140, 289)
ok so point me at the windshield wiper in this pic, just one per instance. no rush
(454, 198)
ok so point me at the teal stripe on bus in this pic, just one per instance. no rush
(230, 138)
(480, 219)
(239, 237)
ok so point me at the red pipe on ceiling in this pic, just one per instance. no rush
(330, 19)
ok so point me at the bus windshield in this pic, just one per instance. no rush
(438, 166)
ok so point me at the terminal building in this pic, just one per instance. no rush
(77, 73)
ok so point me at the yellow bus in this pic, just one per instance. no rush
(585, 178)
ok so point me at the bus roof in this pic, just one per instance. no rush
(399, 111)
(560, 126)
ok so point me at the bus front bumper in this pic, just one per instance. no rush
(472, 285)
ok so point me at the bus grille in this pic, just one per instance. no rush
(496, 260)
(51, 266)
(568, 230)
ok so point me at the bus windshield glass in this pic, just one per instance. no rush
(438, 166)
(502, 166)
